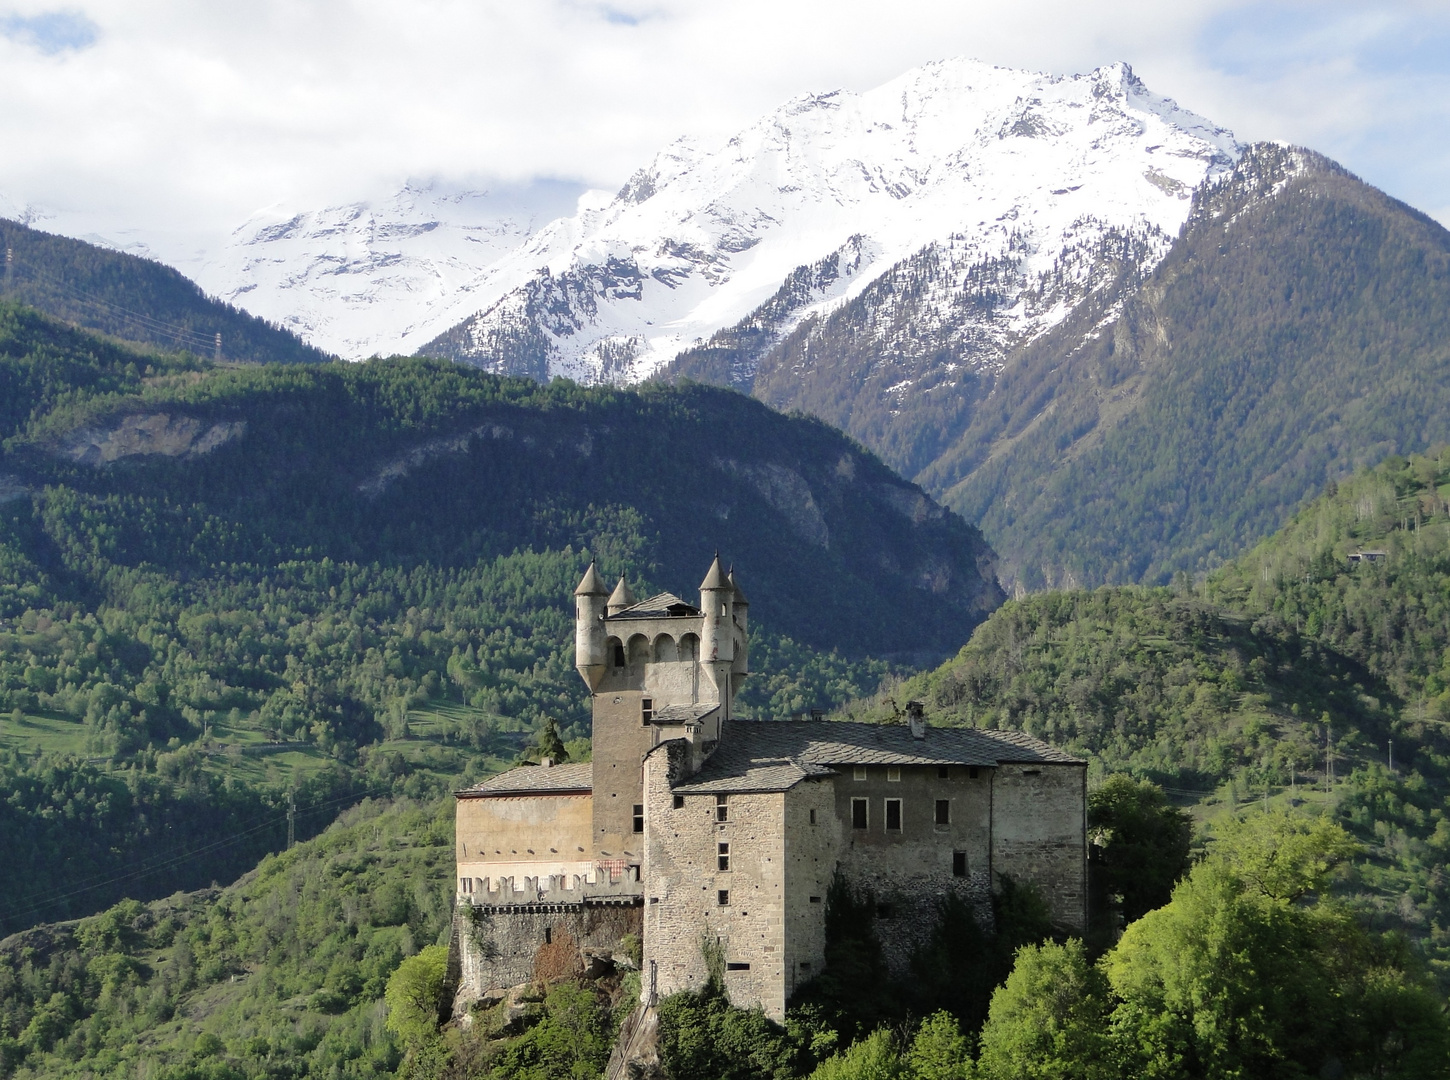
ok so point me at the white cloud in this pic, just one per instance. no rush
(187, 117)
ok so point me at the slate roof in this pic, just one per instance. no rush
(683, 714)
(535, 780)
(660, 606)
(772, 755)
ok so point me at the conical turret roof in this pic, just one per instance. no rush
(621, 597)
(739, 592)
(592, 585)
(715, 579)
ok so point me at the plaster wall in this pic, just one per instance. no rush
(813, 845)
(524, 828)
(1039, 834)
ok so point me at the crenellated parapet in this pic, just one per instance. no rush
(483, 885)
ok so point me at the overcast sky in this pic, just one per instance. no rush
(185, 116)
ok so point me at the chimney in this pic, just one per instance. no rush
(547, 762)
(916, 719)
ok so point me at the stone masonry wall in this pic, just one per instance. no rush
(1039, 823)
(684, 882)
(495, 950)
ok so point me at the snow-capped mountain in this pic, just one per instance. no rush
(1014, 193)
(357, 279)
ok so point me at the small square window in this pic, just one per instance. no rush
(723, 898)
(858, 813)
(893, 815)
(943, 812)
(722, 811)
(973, 774)
(815, 899)
(893, 774)
(638, 817)
(959, 864)
(646, 710)
(813, 817)
(679, 802)
(942, 773)
(805, 965)
(858, 772)
(722, 856)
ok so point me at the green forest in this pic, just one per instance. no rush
(197, 649)
(133, 299)
(265, 647)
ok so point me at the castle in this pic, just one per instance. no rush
(691, 824)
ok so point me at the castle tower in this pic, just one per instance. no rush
(657, 669)
(589, 611)
(741, 665)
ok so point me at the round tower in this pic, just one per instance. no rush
(740, 667)
(717, 632)
(590, 602)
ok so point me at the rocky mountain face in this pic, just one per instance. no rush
(975, 206)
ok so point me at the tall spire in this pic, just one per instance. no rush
(740, 600)
(592, 585)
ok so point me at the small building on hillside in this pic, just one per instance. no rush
(692, 824)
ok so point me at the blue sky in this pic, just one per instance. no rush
(170, 117)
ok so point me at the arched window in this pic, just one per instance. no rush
(665, 650)
(614, 649)
(689, 647)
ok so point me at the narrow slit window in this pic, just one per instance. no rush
(638, 817)
(893, 815)
(943, 812)
(813, 817)
(723, 898)
(548, 935)
(722, 808)
(722, 856)
(858, 813)
(646, 710)
(735, 965)
(959, 864)
(893, 774)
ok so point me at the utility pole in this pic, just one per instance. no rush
(217, 355)
(291, 820)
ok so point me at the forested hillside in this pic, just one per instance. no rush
(230, 588)
(1291, 675)
(134, 299)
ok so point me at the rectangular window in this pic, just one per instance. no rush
(943, 812)
(736, 966)
(973, 774)
(646, 710)
(943, 773)
(638, 817)
(858, 772)
(893, 774)
(548, 935)
(805, 965)
(893, 815)
(722, 856)
(813, 817)
(618, 655)
(679, 802)
(815, 899)
(722, 811)
(858, 813)
(959, 864)
(723, 898)
(465, 885)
